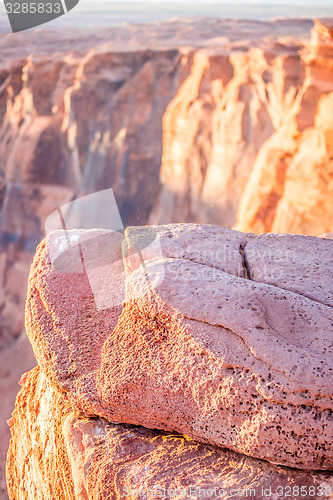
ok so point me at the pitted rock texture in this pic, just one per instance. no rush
(198, 347)
(56, 454)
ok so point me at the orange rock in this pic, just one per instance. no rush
(59, 455)
(291, 185)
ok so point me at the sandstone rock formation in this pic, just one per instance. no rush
(56, 454)
(291, 184)
(223, 336)
(14, 360)
(249, 137)
(55, 147)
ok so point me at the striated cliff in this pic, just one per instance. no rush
(72, 126)
(249, 137)
(291, 185)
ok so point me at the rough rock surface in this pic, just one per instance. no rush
(15, 360)
(223, 336)
(246, 76)
(56, 454)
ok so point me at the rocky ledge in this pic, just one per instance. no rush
(56, 454)
(211, 338)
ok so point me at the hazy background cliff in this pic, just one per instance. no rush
(204, 120)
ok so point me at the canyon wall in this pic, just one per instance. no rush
(291, 185)
(73, 126)
(249, 139)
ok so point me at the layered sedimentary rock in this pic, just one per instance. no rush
(14, 360)
(249, 137)
(56, 454)
(291, 183)
(71, 126)
(223, 336)
(237, 112)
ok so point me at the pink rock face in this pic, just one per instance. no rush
(248, 139)
(37, 448)
(55, 454)
(199, 347)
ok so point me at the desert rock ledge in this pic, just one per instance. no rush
(222, 336)
(54, 454)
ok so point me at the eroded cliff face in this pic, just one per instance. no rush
(89, 122)
(291, 185)
(249, 137)
(72, 126)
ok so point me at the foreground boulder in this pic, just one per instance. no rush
(222, 336)
(56, 455)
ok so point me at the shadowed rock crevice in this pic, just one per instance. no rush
(268, 256)
(244, 261)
